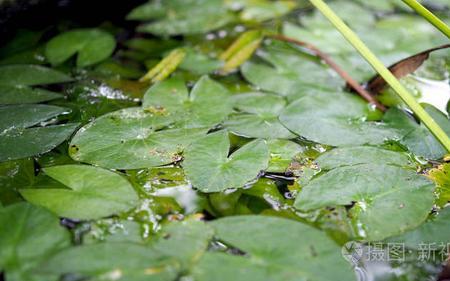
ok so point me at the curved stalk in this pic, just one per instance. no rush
(365, 52)
(429, 16)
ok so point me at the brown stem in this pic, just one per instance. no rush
(350, 81)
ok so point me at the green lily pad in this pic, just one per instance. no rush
(91, 46)
(285, 70)
(433, 232)
(31, 75)
(131, 139)
(174, 17)
(207, 104)
(440, 176)
(350, 156)
(15, 82)
(336, 119)
(90, 192)
(29, 235)
(417, 138)
(178, 247)
(258, 117)
(18, 140)
(15, 175)
(210, 167)
(389, 200)
(275, 249)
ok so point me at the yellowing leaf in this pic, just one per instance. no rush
(165, 67)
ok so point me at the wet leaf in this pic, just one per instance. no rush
(10, 94)
(18, 139)
(388, 200)
(131, 139)
(257, 117)
(275, 249)
(89, 193)
(206, 105)
(210, 167)
(28, 236)
(175, 17)
(179, 245)
(433, 232)
(336, 119)
(14, 175)
(282, 153)
(350, 156)
(91, 46)
(30, 75)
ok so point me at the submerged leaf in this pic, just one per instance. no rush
(91, 46)
(210, 168)
(90, 192)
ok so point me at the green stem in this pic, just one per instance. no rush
(410, 101)
(429, 16)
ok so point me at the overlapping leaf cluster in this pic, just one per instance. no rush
(194, 117)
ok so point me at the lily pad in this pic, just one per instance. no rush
(441, 176)
(417, 138)
(178, 247)
(210, 167)
(174, 17)
(89, 193)
(337, 119)
(29, 235)
(18, 140)
(258, 117)
(131, 139)
(433, 232)
(388, 200)
(91, 46)
(31, 75)
(207, 104)
(274, 249)
(282, 153)
(10, 94)
(350, 156)
(285, 70)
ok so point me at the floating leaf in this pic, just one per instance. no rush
(131, 139)
(174, 17)
(18, 140)
(14, 175)
(210, 168)
(433, 232)
(417, 138)
(207, 104)
(282, 153)
(90, 192)
(350, 156)
(336, 119)
(28, 236)
(275, 249)
(258, 117)
(30, 75)
(287, 70)
(10, 94)
(389, 200)
(91, 46)
(178, 247)
(261, 10)
(165, 67)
